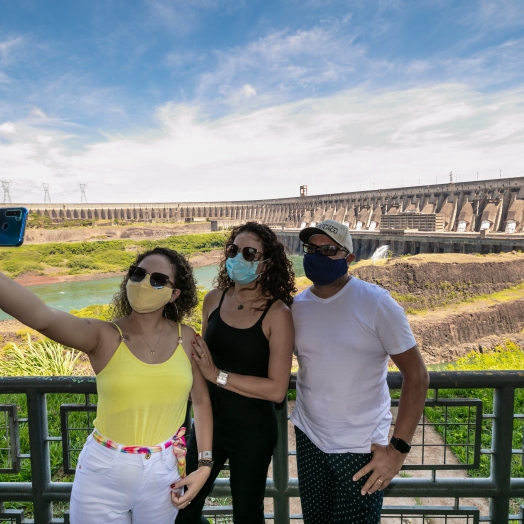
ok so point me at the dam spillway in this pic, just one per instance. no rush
(468, 217)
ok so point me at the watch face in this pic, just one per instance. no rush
(222, 378)
(400, 445)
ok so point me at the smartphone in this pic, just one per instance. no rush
(12, 226)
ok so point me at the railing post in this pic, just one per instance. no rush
(40, 460)
(503, 405)
(281, 469)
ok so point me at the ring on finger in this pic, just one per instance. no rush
(378, 480)
(202, 355)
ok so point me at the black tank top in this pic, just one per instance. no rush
(246, 352)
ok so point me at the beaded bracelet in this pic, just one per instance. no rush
(206, 462)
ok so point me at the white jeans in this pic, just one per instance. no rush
(112, 487)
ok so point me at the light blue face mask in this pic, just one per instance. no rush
(241, 271)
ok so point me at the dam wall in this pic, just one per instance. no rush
(492, 206)
(413, 242)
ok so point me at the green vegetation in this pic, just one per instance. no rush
(195, 320)
(420, 305)
(43, 358)
(77, 439)
(34, 220)
(98, 256)
(509, 356)
(94, 311)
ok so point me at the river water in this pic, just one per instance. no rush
(77, 295)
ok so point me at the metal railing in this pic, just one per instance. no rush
(449, 417)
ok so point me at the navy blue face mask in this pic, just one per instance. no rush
(322, 270)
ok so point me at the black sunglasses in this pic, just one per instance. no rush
(157, 280)
(327, 251)
(249, 253)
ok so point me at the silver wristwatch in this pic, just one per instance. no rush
(222, 378)
(205, 455)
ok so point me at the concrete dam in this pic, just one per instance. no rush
(468, 217)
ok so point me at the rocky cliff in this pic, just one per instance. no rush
(419, 284)
(448, 316)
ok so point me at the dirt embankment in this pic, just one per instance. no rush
(80, 234)
(445, 337)
(418, 284)
(208, 258)
(447, 315)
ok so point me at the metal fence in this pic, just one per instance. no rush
(41, 443)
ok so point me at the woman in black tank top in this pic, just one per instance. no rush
(246, 358)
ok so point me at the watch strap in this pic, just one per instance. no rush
(400, 445)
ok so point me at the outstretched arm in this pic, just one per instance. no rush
(387, 461)
(25, 306)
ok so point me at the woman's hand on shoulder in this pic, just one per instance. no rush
(204, 360)
(198, 353)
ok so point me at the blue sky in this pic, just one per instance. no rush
(218, 99)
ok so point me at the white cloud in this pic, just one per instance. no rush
(7, 47)
(7, 127)
(491, 15)
(249, 91)
(332, 144)
(39, 113)
(284, 61)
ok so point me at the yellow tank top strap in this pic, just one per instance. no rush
(119, 330)
(179, 333)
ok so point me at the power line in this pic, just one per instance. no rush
(7, 196)
(83, 197)
(47, 198)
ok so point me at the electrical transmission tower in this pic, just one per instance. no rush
(47, 198)
(7, 196)
(83, 197)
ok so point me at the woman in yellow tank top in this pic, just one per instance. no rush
(132, 468)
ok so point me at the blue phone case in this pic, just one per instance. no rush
(12, 226)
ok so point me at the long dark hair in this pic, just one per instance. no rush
(278, 280)
(184, 280)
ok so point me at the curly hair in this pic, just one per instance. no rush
(278, 281)
(184, 280)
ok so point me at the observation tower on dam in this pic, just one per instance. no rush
(468, 217)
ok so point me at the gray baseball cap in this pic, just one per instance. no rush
(333, 229)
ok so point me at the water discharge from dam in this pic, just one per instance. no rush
(380, 253)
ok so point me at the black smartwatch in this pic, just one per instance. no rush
(400, 445)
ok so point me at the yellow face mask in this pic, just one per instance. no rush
(144, 298)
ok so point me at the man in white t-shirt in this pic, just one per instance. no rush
(346, 330)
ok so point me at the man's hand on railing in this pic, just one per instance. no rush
(384, 465)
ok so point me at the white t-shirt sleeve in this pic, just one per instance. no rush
(392, 326)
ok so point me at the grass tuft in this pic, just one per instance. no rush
(45, 358)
